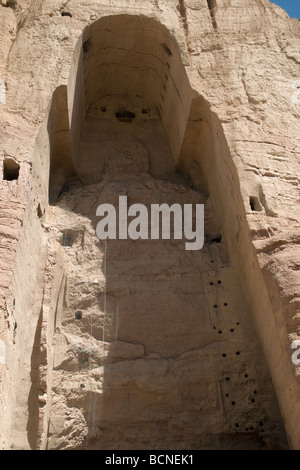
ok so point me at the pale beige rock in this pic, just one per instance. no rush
(141, 344)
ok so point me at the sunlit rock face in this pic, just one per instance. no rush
(140, 343)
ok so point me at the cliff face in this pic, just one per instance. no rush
(142, 344)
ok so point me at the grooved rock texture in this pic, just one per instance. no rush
(142, 344)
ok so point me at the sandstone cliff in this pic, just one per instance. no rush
(141, 344)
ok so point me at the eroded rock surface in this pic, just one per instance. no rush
(130, 344)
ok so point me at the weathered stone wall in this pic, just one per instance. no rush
(213, 89)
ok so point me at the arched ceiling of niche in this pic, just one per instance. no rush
(133, 56)
(137, 57)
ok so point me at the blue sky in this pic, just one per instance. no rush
(291, 6)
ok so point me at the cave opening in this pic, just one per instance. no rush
(11, 169)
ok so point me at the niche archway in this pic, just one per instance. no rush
(128, 109)
(115, 76)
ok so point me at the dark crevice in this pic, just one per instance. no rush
(255, 204)
(166, 49)
(66, 13)
(39, 211)
(36, 388)
(125, 116)
(182, 10)
(212, 5)
(86, 46)
(11, 4)
(214, 239)
(78, 315)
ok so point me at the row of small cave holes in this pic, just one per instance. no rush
(78, 316)
(233, 402)
(122, 115)
(216, 306)
(231, 330)
(250, 428)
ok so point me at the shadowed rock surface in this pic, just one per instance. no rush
(142, 344)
